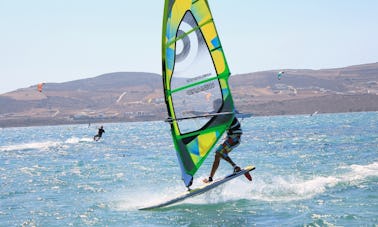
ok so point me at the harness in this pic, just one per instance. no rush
(235, 127)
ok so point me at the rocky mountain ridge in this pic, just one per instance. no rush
(137, 96)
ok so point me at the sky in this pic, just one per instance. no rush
(64, 40)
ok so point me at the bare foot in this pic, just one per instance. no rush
(207, 180)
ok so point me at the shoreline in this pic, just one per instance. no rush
(60, 123)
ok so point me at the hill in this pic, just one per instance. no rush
(135, 96)
(349, 89)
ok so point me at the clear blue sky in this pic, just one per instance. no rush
(63, 40)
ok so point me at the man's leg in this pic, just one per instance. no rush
(229, 144)
(215, 164)
(222, 152)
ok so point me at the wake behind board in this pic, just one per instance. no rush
(202, 189)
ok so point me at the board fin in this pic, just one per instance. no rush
(248, 176)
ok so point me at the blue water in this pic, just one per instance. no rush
(310, 171)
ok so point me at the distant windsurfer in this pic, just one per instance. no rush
(99, 134)
(232, 140)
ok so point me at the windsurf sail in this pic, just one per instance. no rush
(195, 78)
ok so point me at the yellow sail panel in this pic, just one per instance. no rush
(219, 58)
(205, 142)
(195, 158)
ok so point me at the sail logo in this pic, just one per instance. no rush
(198, 77)
(198, 89)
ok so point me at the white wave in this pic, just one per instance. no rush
(30, 146)
(43, 146)
(262, 188)
(267, 188)
(74, 140)
(288, 188)
(360, 172)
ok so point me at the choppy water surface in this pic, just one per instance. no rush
(315, 171)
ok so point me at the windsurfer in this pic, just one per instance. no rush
(232, 140)
(99, 133)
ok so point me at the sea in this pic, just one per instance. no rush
(319, 170)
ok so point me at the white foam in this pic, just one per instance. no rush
(359, 173)
(263, 188)
(44, 146)
(30, 146)
(75, 140)
(288, 188)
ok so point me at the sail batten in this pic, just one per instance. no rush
(193, 84)
(195, 79)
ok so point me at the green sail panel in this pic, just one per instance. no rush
(195, 79)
